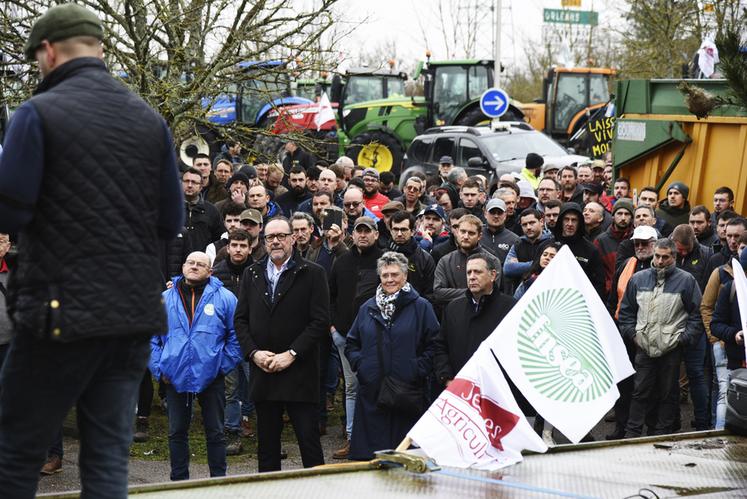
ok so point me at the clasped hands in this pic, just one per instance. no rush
(271, 362)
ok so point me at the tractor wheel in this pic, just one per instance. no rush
(378, 150)
(473, 117)
(206, 141)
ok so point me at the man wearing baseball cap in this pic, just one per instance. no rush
(675, 210)
(496, 238)
(88, 178)
(643, 239)
(432, 227)
(372, 198)
(445, 164)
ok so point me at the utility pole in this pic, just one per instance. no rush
(497, 46)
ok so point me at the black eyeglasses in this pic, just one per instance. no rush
(353, 204)
(280, 237)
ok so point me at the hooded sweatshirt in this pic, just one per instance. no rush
(674, 216)
(587, 255)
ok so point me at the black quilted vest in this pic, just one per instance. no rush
(88, 261)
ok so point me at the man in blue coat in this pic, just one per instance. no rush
(193, 357)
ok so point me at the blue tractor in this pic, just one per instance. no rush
(252, 101)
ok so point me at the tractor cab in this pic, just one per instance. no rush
(265, 85)
(311, 89)
(568, 93)
(363, 85)
(450, 86)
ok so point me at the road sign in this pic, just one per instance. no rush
(494, 102)
(563, 16)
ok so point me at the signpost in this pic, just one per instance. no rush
(563, 16)
(494, 102)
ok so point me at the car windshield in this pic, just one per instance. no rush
(506, 147)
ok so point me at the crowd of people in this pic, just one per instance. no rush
(287, 278)
(277, 280)
(278, 287)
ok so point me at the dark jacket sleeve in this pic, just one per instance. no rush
(596, 272)
(21, 169)
(171, 197)
(429, 269)
(333, 291)
(318, 311)
(353, 344)
(441, 364)
(430, 332)
(241, 320)
(691, 299)
(628, 311)
(722, 326)
(215, 224)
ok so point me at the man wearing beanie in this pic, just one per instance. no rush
(675, 210)
(88, 179)
(620, 229)
(533, 169)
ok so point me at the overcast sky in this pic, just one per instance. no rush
(406, 21)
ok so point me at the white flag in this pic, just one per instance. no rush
(476, 422)
(562, 350)
(325, 113)
(707, 58)
(740, 281)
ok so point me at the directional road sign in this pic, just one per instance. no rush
(494, 102)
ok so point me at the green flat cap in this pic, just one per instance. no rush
(61, 22)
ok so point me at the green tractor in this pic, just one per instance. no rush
(310, 88)
(376, 133)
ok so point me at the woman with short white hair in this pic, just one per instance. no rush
(390, 347)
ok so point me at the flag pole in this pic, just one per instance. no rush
(404, 445)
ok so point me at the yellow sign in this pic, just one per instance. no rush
(570, 3)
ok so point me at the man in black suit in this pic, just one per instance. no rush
(281, 317)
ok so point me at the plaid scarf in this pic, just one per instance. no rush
(385, 302)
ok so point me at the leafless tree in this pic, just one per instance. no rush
(179, 54)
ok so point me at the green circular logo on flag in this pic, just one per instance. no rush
(559, 349)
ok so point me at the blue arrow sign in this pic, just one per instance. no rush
(494, 102)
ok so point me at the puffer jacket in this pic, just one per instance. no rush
(191, 356)
(661, 312)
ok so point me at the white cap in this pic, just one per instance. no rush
(525, 190)
(644, 233)
(345, 161)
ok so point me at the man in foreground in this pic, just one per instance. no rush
(85, 295)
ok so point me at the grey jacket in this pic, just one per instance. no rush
(661, 312)
(451, 275)
(498, 243)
